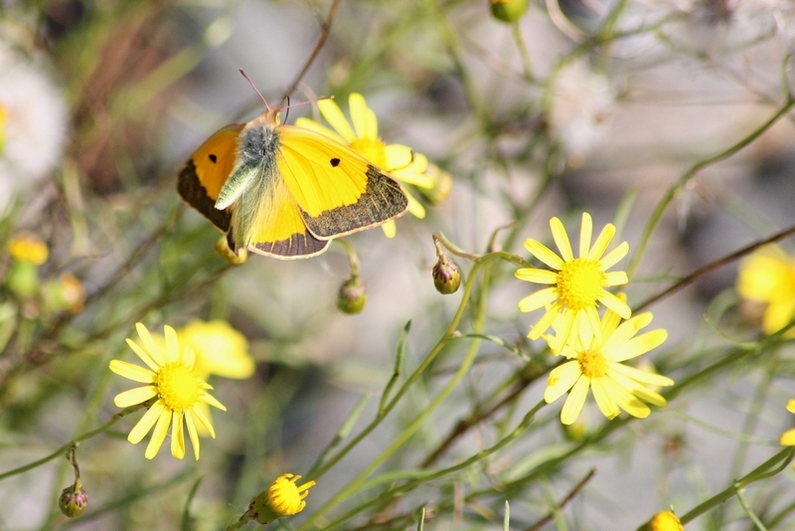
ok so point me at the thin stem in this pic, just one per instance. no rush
(71, 444)
(690, 173)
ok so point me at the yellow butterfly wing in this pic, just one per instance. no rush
(337, 191)
(278, 230)
(206, 171)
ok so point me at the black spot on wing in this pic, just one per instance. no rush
(193, 193)
(213, 158)
(334, 162)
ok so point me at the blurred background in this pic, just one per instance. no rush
(597, 106)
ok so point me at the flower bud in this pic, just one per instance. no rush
(73, 500)
(446, 276)
(442, 185)
(352, 296)
(283, 498)
(508, 10)
(665, 521)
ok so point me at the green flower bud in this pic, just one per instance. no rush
(508, 10)
(446, 276)
(352, 296)
(73, 500)
(23, 279)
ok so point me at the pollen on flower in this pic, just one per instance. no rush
(178, 386)
(592, 363)
(580, 283)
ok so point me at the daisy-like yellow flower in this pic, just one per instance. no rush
(283, 498)
(577, 285)
(178, 389)
(768, 277)
(596, 364)
(397, 160)
(219, 348)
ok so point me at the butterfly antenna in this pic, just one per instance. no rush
(245, 75)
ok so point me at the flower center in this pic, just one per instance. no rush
(592, 363)
(372, 149)
(287, 498)
(178, 386)
(580, 282)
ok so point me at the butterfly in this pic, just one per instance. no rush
(284, 191)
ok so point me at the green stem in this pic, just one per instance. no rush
(690, 173)
(66, 447)
(477, 326)
(769, 468)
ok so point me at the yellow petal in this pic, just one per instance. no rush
(132, 372)
(333, 115)
(415, 207)
(615, 256)
(210, 399)
(543, 253)
(574, 402)
(561, 240)
(192, 433)
(560, 380)
(143, 426)
(389, 228)
(177, 435)
(788, 438)
(306, 123)
(537, 300)
(204, 421)
(537, 276)
(604, 398)
(586, 231)
(159, 435)
(149, 344)
(602, 241)
(142, 355)
(364, 120)
(136, 396)
(614, 303)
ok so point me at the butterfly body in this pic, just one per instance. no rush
(285, 191)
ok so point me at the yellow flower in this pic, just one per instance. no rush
(178, 389)
(768, 277)
(577, 285)
(283, 498)
(219, 348)
(3, 120)
(788, 437)
(28, 248)
(665, 521)
(596, 364)
(398, 160)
